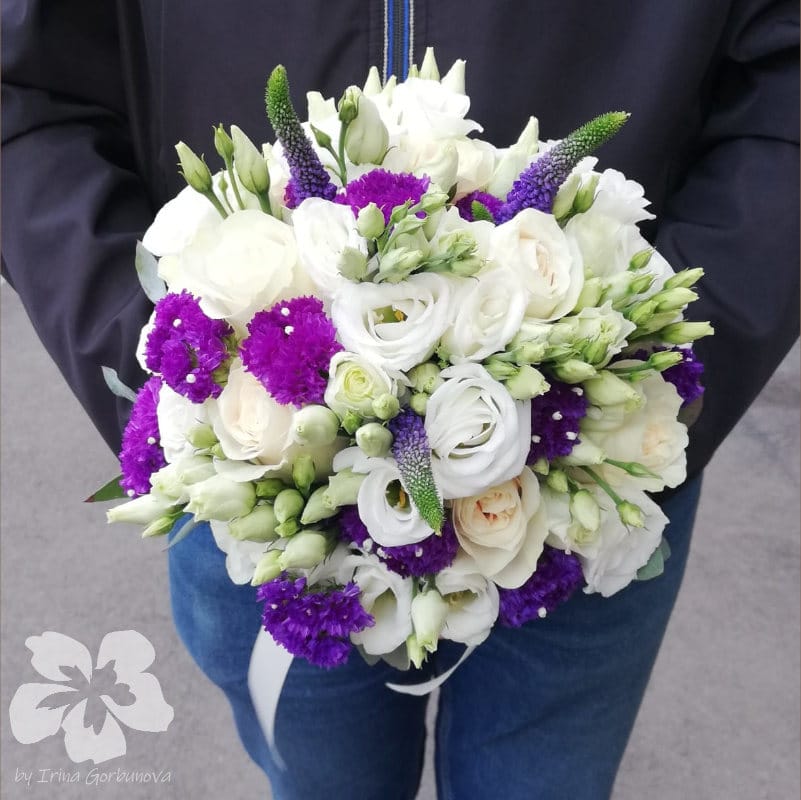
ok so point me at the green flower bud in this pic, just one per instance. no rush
(316, 508)
(642, 283)
(415, 651)
(433, 201)
(563, 202)
(351, 421)
(251, 168)
(590, 296)
(557, 480)
(585, 196)
(370, 222)
(664, 359)
(343, 488)
(527, 383)
(584, 509)
(217, 451)
(541, 466)
(269, 488)
(267, 569)
(674, 299)
(162, 525)
(397, 264)
(353, 264)
(684, 332)
(321, 137)
(223, 143)
(288, 528)
(574, 371)
(642, 312)
(633, 468)
(221, 499)
(640, 259)
(684, 279)
(500, 370)
(194, 169)
(258, 526)
(202, 437)
(429, 611)
(348, 106)
(585, 453)
(303, 472)
(595, 351)
(315, 425)
(425, 377)
(429, 70)
(374, 440)
(631, 514)
(366, 137)
(418, 402)
(304, 550)
(386, 406)
(529, 353)
(288, 505)
(606, 389)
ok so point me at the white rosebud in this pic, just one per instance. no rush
(220, 498)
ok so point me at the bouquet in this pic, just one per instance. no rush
(419, 385)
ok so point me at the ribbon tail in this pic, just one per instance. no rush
(269, 666)
(419, 689)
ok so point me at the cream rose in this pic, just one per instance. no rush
(353, 384)
(503, 529)
(547, 264)
(479, 435)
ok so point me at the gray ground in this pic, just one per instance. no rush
(721, 717)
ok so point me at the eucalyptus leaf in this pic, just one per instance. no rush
(665, 548)
(654, 568)
(117, 386)
(109, 491)
(147, 268)
(183, 532)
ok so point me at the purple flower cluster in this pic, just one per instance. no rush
(555, 418)
(289, 349)
(558, 575)
(385, 189)
(686, 375)
(465, 205)
(313, 625)
(141, 454)
(424, 558)
(186, 347)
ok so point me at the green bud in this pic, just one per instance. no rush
(353, 264)
(640, 259)
(370, 222)
(217, 451)
(194, 169)
(642, 283)
(429, 70)
(584, 509)
(374, 439)
(315, 508)
(429, 611)
(585, 196)
(202, 437)
(606, 389)
(288, 505)
(595, 351)
(267, 569)
(223, 143)
(220, 498)
(529, 353)
(590, 296)
(684, 279)
(640, 313)
(541, 466)
(269, 488)
(563, 202)
(258, 526)
(425, 378)
(417, 655)
(386, 406)
(413, 72)
(557, 480)
(348, 105)
(500, 370)
(631, 514)
(684, 332)
(343, 488)
(585, 453)
(304, 550)
(315, 425)
(251, 168)
(287, 529)
(574, 370)
(397, 264)
(351, 421)
(162, 525)
(527, 383)
(674, 299)
(633, 468)
(664, 359)
(303, 473)
(418, 402)
(366, 136)
(321, 137)
(432, 201)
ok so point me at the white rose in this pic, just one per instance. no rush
(241, 557)
(479, 435)
(489, 312)
(322, 232)
(503, 529)
(177, 416)
(472, 598)
(420, 313)
(354, 382)
(247, 263)
(547, 263)
(651, 435)
(429, 108)
(621, 551)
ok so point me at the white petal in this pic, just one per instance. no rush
(53, 650)
(29, 721)
(83, 744)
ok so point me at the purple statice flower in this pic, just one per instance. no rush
(555, 418)
(308, 175)
(141, 453)
(558, 575)
(537, 185)
(186, 347)
(385, 189)
(489, 201)
(423, 558)
(412, 451)
(685, 376)
(289, 348)
(313, 625)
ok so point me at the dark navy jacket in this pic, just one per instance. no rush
(95, 94)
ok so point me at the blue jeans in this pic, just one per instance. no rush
(543, 711)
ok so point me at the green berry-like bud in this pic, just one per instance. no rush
(288, 505)
(258, 526)
(194, 169)
(267, 569)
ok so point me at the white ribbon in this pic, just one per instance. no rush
(419, 689)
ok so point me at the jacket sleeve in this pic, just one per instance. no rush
(73, 204)
(736, 215)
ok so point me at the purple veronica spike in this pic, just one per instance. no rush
(423, 558)
(186, 346)
(289, 349)
(413, 454)
(555, 418)
(385, 189)
(141, 454)
(558, 575)
(538, 184)
(313, 625)
(489, 201)
(309, 177)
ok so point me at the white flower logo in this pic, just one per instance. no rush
(86, 703)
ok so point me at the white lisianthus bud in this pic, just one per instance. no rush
(429, 611)
(366, 138)
(304, 550)
(606, 389)
(584, 454)
(429, 69)
(316, 508)
(515, 159)
(370, 222)
(250, 165)
(372, 85)
(685, 279)
(527, 383)
(563, 202)
(288, 504)
(348, 106)
(454, 78)
(397, 264)
(631, 514)
(267, 568)
(141, 510)
(173, 480)
(374, 439)
(353, 264)
(674, 299)
(557, 480)
(315, 425)
(574, 371)
(426, 378)
(162, 525)
(640, 259)
(585, 510)
(590, 296)
(220, 498)
(194, 169)
(417, 655)
(258, 526)
(664, 359)
(343, 488)
(585, 196)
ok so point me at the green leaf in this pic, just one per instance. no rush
(116, 385)
(481, 212)
(147, 268)
(655, 566)
(665, 548)
(109, 491)
(183, 532)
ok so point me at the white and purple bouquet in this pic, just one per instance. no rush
(418, 384)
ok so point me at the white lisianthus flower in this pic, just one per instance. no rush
(606, 244)
(241, 556)
(503, 529)
(245, 264)
(429, 108)
(354, 382)
(425, 156)
(621, 551)
(177, 416)
(395, 326)
(650, 435)
(323, 231)
(479, 435)
(476, 165)
(621, 198)
(472, 598)
(547, 263)
(489, 311)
